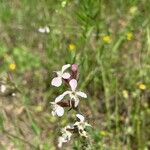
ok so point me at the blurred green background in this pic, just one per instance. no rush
(109, 40)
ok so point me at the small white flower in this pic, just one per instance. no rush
(44, 29)
(57, 81)
(80, 117)
(13, 94)
(61, 140)
(81, 125)
(67, 134)
(73, 93)
(82, 121)
(2, 88)
(57, 109)
(65, 137)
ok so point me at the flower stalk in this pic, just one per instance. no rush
(72, 102)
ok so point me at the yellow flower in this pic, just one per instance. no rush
(38, 108)
(63, 4)
(129, 36)
(72, 47)
(106, 38)
(125, 94)
(12, 66)
(142, 86)
(103, 133)
(133, 10)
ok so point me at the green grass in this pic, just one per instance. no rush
(106, 69)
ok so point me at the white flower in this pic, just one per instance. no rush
(57, 81)
(73, 93)
(61, 140)
(81, 125)
(14, 94)
(44, 29)
(2, 88)
(80, 117)
(67, 134)
(57, 109)
(65, 137)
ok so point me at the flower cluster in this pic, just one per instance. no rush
(78, 127)
(73, 94)
(73, 98)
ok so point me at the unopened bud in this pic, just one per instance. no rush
(74, 69)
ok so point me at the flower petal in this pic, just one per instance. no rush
(64, 67)
(57, 81)
(2, 88)
(80, 117)
(61, 140)
(66, 75)
(52, 103)
(59, 110)
(73, 84)
(59, 73)
(60, 97)
(82, 94)
(42, 30)
(76, 102)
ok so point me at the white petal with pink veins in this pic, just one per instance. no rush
(82, 94)
(65, 67)
(66, 75)
(73, 84)
(59, 111)
(57, 81)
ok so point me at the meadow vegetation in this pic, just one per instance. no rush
(110, 42)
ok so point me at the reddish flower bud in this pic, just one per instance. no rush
(74, 69)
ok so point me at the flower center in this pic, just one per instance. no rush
(73, 93)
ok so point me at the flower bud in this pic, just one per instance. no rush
(74, 69)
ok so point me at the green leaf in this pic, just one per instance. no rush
(35, 128)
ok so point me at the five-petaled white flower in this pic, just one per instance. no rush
(57, 81)
(73, 93)
(57, 109)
